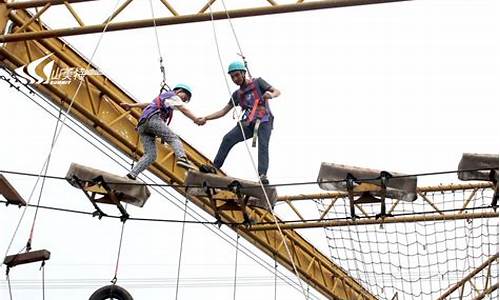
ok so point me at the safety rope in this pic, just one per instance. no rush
(275, 277)
(236, 113)
(236, 38)
(159, 188)
(236, 265)
(270, 207)
(163, 84)
(115, 277)
(8, 283)
(180, 250)
(59, 126)
(467, 209)
(42, 267)
(270, 185)
(30, 239)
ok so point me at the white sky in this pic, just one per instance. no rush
(404, 87)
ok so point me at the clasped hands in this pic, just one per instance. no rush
(200, 121)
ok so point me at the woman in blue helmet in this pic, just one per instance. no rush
(252, 96)
(152, 124)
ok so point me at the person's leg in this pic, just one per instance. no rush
(230, 139)
(148, 142)
(158, 128)
(264, 135)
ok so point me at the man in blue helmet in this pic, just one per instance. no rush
(253, 97)
(152, 124)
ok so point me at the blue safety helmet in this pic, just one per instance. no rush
(236, 66)
(184, 87)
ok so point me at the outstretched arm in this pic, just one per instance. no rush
(219, 113)
(128, 106)
(190, 115)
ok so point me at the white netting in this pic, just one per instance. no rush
(418, 260)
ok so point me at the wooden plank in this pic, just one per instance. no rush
(8, 191)
(26, 258)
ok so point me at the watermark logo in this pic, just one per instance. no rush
(45, 71)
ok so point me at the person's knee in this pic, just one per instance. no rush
(227, 139)
(151, 156)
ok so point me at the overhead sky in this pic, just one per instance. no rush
(406, 87)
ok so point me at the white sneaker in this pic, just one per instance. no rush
(184, 162)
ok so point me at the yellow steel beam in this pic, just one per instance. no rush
(73, 12)
(486, 263)
(170, 7)
(117, 11)
(206, 6)
(197, 17)
(486, 292)
(38, 3)
(36, 16)
(372, 221)
(96, 106)
(424, 189)
(4, 16)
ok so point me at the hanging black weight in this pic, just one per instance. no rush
(111, 291)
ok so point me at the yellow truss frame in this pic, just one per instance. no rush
(96, 105)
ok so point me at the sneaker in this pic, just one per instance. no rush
(130, 176)
(184, 162)
(208, 169)
(263, 179)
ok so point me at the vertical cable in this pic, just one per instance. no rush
(162, 68)
(236, 265)
(180, 249)
(275, 277)
(269, 205)
(8, 283)
(59, 125)
(115, 279)
(43, 279)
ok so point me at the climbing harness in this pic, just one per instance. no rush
(157, 106)
(166, 113)
(256, 109)
(287, 249)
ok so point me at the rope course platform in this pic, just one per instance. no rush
(488, 162)
(369, 256)
(243, 193)
(10, 193)
(113, 189)
(370, 182)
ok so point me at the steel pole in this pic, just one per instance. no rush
(237, 13)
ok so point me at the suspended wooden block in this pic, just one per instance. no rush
(26, 258)
(196, 181)
(10, 193)
(471, 161)
(107, 184)
(332, 177)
